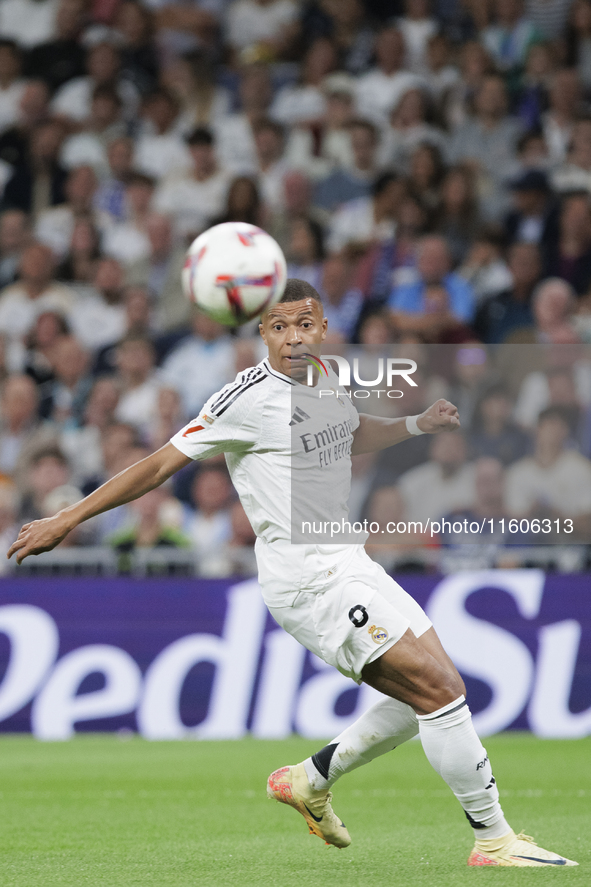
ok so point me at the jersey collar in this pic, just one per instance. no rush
(269, 369)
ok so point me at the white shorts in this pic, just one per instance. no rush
(355, 618)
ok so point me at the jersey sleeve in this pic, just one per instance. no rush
(228, 423)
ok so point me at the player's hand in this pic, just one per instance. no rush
(441, 416)
(38, 536)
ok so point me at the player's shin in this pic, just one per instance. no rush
(457, 754)
(386, 725)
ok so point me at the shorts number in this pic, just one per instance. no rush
(358, 616)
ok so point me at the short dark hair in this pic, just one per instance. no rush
(382, 182)
(297, 290)
(200, 136)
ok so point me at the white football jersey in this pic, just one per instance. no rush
(288, 452)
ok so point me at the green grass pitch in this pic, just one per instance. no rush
(110, 813)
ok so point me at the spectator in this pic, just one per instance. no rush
(484, 267)
(191, 78)
(55, 225)
(498, 317)
(534, 218)
(27, 22)
(38, 181)
(32, 110)
(534, 86)
(493, 433)
(381, 88)
(368, 219)
(457, 215)
(140, 383)
(48, 469)
(103, 65)
(442, 77)
(90, 146)
(471, 375)
(553, 306)
(262, 26)
(347, 26)
(243, 203)
(36, 362)
(476, 64)
(110, 194)
(159, 149)
(569, 256)
(11, 85)
(97, 317)
(559, 119)
(425, 173)
(210, 527)
(79, 267)
(488, 511)
(510, 37)
(554, 482)
(318, 149)
(127, 241)
(83, 444)
(579, 41)
(345, 184)
(34, 291)
(575, 173)
(20, 402)
(198, 197)
(417, 27)
(442, 484)
(408, 128)
(139, 60)
(9, 526)
(393, 262)
(169, 418)
(387, 509)
(549, 16)
(236, 557)
(304, 102)
(269, 140)
(305, 250)
(342, 303)
(65, 396)
(62, 57)
(149, 525)
(488, 141)
(13, 236)
(408, 301)
(160, 274)
(235, 132)
(200, 364)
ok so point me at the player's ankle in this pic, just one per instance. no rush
(494, 834)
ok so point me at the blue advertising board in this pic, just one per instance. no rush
(186, 658)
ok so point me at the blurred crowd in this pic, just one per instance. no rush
(425, 164)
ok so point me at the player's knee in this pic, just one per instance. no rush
(449, 687)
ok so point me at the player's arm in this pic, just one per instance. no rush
(376, 433)
(145, 475)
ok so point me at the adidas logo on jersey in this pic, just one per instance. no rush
(298, 416)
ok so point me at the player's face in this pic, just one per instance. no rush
(288, 324)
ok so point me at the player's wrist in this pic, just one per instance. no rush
(412, 425)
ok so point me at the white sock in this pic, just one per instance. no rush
(384, 726)
(457, 754)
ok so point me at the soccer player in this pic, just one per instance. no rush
(334, 599)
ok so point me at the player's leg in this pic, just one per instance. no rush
(411, 673)
(382, 728)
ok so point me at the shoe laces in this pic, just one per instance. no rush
(522, 837)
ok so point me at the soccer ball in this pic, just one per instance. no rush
(233, 272)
